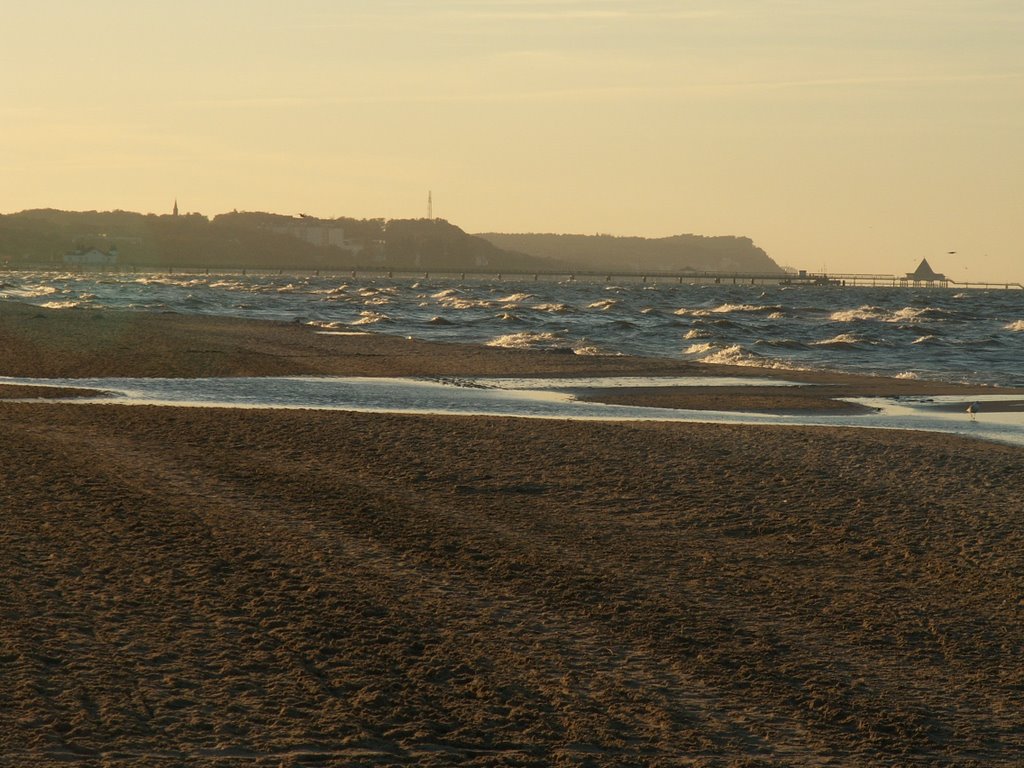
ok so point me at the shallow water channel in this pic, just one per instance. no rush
(552, 398)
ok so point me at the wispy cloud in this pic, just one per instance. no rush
(879, 80)
(587, 14)
(622, 93)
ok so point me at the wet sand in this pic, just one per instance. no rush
(230, 587)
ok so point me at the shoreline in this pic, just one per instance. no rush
(41, 343)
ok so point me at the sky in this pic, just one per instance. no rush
(854, 136)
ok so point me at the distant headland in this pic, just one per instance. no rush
(257, 240)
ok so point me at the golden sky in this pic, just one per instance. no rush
(851, 135)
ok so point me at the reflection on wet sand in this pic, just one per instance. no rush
(1000, 417)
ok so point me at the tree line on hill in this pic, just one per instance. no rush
(255, 240)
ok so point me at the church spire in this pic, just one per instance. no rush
(175, 206)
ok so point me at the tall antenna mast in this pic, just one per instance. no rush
(430, 205)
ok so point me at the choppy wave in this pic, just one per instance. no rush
(841, 340)
(914, 314)
(931, 334)
(880, 314)
(782, 343)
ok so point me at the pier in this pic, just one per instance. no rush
(688, 277)
(684, 277)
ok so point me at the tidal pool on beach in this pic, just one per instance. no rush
(551, 398)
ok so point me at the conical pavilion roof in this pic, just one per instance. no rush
(924, 271)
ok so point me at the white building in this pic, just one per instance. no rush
(92, 257)
(314, 232)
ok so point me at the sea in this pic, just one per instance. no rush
(968, 336)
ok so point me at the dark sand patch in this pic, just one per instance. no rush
(27, 391)
(791, 400)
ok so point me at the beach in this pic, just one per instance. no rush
(257, 587)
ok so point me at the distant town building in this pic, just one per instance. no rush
(175, 207)
(314, 232)
(92, 257)
(924, 276)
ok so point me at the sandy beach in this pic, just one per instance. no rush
(265, 588)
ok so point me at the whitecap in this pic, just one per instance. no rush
(1017, 326)
(369, 317)
(448, 293)
(515, 298)
(33, 293)
(861, 313)
(587, 351)
(64, 305)
(840, 340)
(730, 308)
(912, 314)
(737, 355)
(326, 324)
(604, 305)
(525, 340)
(700, 349)
(460, 303)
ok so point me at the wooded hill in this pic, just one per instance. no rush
(252, 240)
(679, 253)
(271, 241)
